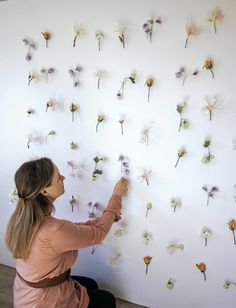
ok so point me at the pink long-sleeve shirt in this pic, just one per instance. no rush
(54, 250)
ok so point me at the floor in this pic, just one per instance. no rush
(7, 275)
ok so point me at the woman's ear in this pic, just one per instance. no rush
(44, 192)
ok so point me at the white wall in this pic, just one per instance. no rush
(161, 59)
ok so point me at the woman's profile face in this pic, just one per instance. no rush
(56, 188)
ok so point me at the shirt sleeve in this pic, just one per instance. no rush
(72, 236)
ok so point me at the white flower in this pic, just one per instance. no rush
(79, 30)
(13, 197)
(209, 107)
(145, 132)
(174, 247)
(114, 259)
(147, 237)
(175, 203)
(119, 232)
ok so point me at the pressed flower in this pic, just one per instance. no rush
(146, 176)
(147, 236)
(148, 27)
(174, 247)
(47, 36)
(74, 75)
(97, 171)
(215, 16)
(99, 75)
(210, 192)
(170, 284)
(121, 121)
(202, 268)
(13, 197)
(32, 76)
(227, 284)
(148, 208)
(175, 203)
(79, 32)
(73, 109)
(121, 35)
(73, 146)
(181, 74)
(149, 83)
(114, 259)
(232, 227)
(51, 133)
(99, 36)
(73, 167)
(191, 31)
(31, 139)
(31, 45)
(208, 157)
(93, 207)
(124, 164)
(30, 111)
(73, 202)
(208, 65)
(100, 119)
(46, 72)
(119, 232)
(51, 104)
(209, 107)
(183, 123)
(147, 260)
(145, 132)
(181, 153)
(206, 233)
(131, 78)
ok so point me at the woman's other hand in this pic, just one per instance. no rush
(121, 187)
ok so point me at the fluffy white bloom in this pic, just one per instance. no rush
(174, 247)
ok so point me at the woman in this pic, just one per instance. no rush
(45, 248)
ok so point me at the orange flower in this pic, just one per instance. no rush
(147, 260)
(232, 224)
(202, 268)
(149, 82)
(47, 35)
(208, 65)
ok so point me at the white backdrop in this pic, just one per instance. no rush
(160, 59)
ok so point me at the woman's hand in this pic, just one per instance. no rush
(121, 187)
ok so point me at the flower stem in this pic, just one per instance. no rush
(149, 93)
(99, 83)
(72, 116)
(210, 112)
(146, 269)
(121, 126)
(214, 26)
(204, 274)
(93, 249)
(234, 237)
(180, 122)
(46, 43)
(97, 127)
(146, 212)
(174, 208)
(205, 241)
(212, 73)
(99, 45)
(74, 41)
(147, 181)
(208, 198)
(177, 162)
(186, 42)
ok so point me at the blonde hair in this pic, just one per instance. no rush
(32, 206)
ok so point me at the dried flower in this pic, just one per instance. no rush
(124, 165)
(191, 31)
(147, 260)
(183, 123)
(32, 76)
(99, 75)
(30, 111)
(149, 83)
(73, 202)
(97, 171)
(174, 247)
(148, 27)
(227, 284)
(119, 232)
(93, 207)
(74, 75)
(206, 233)
(210, 192)
(73, 146)
(181, 153)
(126, 79)
(208, 65)
(73, 166)
(208, 157)
(47, 36)
(73, 109)
(31, 45)
(148, 207)
(114, 259)
(47, 72)
(31, 138)
(100, 119)
(51, 104)
(121, 35)
(13, 196)
(202, 269)
(181, 74)
(146, 175)
(232, 227)
(99, 36)
(121, 121)
(170, 284)
(51, 133)
(209, 107)
(147, 236)
(79, 32)
(215, 16)
(145, 132)
(175, 203)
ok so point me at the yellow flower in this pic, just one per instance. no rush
(232, 224)
(47, 36)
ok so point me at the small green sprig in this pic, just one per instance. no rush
(97, 171)
(131, 78)
(183, 123)
(208, 157)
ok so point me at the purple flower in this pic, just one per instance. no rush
(26, 41)
(89, 204)
(78, 68)
(91, 215)
(214, 188)
(28, 57)
(76, 84)
(43, 70)
(51, 70)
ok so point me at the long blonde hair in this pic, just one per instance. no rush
(32, 206)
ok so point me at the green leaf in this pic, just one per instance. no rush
(96, 159)
(97, 171)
